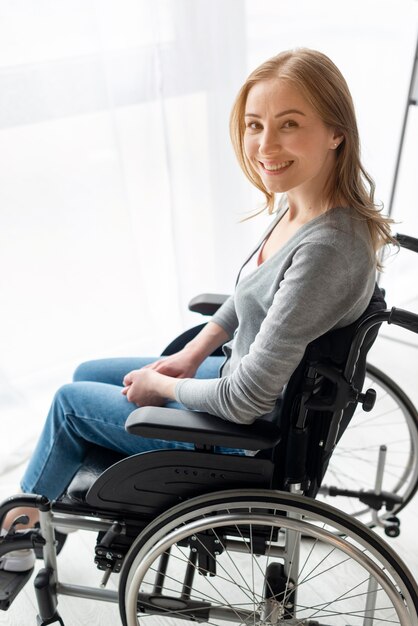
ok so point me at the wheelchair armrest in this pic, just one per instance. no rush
(200, 428)
(207, 303)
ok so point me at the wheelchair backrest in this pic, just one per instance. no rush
(319, 402)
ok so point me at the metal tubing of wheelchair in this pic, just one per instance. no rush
(162, 569)
(90, 593)
(189, 576)
(25, 500)
(333, 432)
(292, 548)
(381, 523)
(49, 553)
(371, 602)
(408, 242)
(380, 469)
(241, 546)
(153, 607)
(80, 523)
(361, 332)
(398, 317)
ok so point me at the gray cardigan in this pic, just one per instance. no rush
(321, 279)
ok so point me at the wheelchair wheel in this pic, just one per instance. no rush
(393, 423)
(263, 557)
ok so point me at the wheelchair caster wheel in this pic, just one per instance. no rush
(393, 528)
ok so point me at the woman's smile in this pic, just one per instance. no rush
(272, 169)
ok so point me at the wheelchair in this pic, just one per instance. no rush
(214, 538)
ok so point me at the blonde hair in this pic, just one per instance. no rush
(319, 80)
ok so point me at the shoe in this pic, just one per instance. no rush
(17, 561)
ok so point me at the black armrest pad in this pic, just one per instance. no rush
(200, 428)
(207, 303)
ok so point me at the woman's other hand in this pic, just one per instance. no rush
(183, 364)
(146, 387)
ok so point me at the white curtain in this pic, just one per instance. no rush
(118, 184)
(120, 197)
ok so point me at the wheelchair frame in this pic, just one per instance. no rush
(237, 505)
(384, 445)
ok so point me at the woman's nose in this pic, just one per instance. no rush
(269, 141)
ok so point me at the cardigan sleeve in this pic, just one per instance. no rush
(226, 316)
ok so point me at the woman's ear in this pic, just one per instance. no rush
(337, 138)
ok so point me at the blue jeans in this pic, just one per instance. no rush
(92, 410)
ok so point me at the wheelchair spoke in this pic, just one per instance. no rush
(323, 606)
(250, 552)
(309, 577)
(225, 602)
(252, 566)
(206, 595)
(232, 562)
(355, 614)
(174, 590)
(391, 469)
(224, 569)
(308, 556)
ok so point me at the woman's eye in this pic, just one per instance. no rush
(290, 124)
(253, 125)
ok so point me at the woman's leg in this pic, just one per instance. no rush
(112, 371)
(90, 412)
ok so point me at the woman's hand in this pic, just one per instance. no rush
(155, 383)
(183, 364)
(145, 387)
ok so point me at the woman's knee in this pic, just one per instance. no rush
(76, 398)
(87, 371)
(65, 395)
(110, 371)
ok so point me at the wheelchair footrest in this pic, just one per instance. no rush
(11, 583)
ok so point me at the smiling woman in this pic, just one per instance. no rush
(295, 115)
(294, 132)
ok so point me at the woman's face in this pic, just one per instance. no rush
(285, 140)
